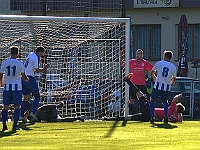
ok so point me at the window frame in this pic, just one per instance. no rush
(149, 50)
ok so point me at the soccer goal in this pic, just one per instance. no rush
(85, 56)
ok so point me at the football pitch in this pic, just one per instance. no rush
(103, 135)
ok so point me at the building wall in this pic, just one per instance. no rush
(5, 8)
(169, 28)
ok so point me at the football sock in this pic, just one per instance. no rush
(4, 116)
(35, 105)
(23, 108)
(166, 109)
(16, 116)
(152, 106)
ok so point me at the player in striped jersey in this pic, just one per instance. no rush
(31, 87)
(13, 69)
(166, 76)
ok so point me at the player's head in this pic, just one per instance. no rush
(168, 55)
(40, 50)
(14, 51)
(139, 54)
(180, 108)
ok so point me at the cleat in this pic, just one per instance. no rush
(34, 117)
(152, 120)
(166, 120)
(16, 128)
(4, 128)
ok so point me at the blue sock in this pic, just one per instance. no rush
(152, 106)
(4, 116)
(166, 109)
(35, 105)
(23, 108)
(16, 116)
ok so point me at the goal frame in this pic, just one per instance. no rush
(87, 19)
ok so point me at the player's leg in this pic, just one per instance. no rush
(4, 117)
(17, 100)
(132, 95)
(164, 98)
(116, 118)
(153, 99)
(26, 97)
(145, 108)
(133, 105)
(33, 87)
(6, 102)
(143, 90)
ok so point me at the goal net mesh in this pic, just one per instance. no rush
(85, 62)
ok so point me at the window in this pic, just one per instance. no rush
(147, 38)
(193, 42)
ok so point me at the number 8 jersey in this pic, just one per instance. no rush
(165, 71)
(12, 69)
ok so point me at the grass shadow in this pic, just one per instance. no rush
(11, 132)
(124, 123)
(4, 134)
(112, 129)
(163, 125)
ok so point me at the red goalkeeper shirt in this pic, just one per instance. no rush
(172, 116)
(138, 69)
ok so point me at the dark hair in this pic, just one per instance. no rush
(140, 50)
(168, 54)
(180, 108)
(40, 49)
(14, 50)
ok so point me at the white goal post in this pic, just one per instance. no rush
(85, 56)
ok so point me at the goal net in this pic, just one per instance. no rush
(85, 56)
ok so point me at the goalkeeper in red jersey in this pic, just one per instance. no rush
(175, 110)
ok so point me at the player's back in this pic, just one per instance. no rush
(12, 69)
(32, 62)
(165, 71)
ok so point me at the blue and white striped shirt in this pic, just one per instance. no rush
(165, 71)
(12, 69)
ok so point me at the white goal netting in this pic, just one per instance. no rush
(85, 56)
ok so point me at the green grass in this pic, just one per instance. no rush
(103, 135)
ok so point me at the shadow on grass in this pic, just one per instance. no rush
(11, 132)
(112, 129)
(191, 119)
(124, 123)
(163, 125)
(3, 134)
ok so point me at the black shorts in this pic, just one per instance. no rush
(142, 88)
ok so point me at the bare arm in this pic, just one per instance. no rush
(173, 80)
(180, 117)
(176, 98)
(153, 75)
(24, 77)
(39, 70)
(2, 79)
